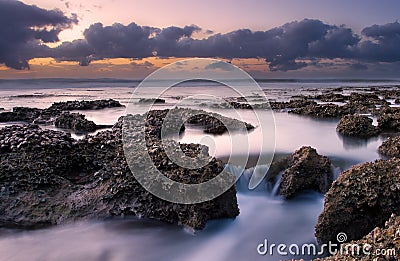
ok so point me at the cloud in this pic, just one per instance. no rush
(382, 44)
(24, 29)
(219, 65)
(281, 47)
(292, 46)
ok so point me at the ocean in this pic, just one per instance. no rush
(263, 215)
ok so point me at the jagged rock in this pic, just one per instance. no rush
(52, 179)
(151, 100)
(210, 122)
(304, 170)
(380, 244)
(357, 126)
(331, 97)
(75, 121)
(322, 111)
(366, 99)
(389, 121)
(361, 199)
(47, 116)
(85, 105)
(330, 110)
(390, 147)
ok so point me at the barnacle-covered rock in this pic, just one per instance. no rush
(357, 126)
(48, 178)
(382, 243)
(361, 199)
(389, 121)
(390, 147)
(304, 170)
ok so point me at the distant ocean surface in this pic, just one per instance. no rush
(46, 83)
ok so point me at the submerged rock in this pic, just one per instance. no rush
(384, 244)
(361, 199)
(75, 121)
(304, 170)
(390, 147)
(48, 178)
(357, 126)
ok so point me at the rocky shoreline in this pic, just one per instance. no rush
(49, 178)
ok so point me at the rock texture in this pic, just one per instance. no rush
(323, 111)
(304, 170)
(75, 121)
(48, 178)
(361, 199)
(390, 147)
(85, 105)
(385, 239)
(357, 126)
(389, 121)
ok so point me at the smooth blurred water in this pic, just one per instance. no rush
(262, 214)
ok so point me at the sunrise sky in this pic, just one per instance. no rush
(131, 38)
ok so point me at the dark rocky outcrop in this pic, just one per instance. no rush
(390, 147)
(48, 178)
(382, 241)
(357, 126)
(304, 170)
(75, 121)
(152, 100)
(361, 199)
(332, 97)
(85, 105)
(331, 110)
(322, 111)
(389, 121)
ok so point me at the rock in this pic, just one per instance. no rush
(366, 99)
(386, 238)
(47, 116)
(361, 199)
(330, 110)
(321, 111)
(75, 121)
(152, 100)
(331, 97)
(210, 122)
(357, 126)
(389, 121)
(303, 170)
(52, 179)
(85, 105)
(397, 101)
(390, 147)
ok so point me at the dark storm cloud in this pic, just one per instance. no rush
(24, 28)
(382, 45)
(289, 47)
(281, 47)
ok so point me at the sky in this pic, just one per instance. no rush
(132, 38)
